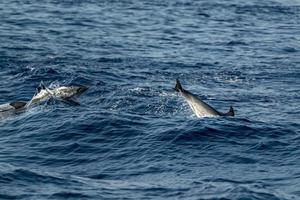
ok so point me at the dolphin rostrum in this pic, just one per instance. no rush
(200, 108)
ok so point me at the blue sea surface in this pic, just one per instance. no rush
(133, 136)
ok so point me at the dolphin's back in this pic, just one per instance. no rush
(12, 106)
(18, 104)
(200, 108)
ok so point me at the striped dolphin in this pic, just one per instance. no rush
(62, 93)
(200, 108)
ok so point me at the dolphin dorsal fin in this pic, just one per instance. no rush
(178, 86)
(230, 112)
(40, 87)
(43, 87)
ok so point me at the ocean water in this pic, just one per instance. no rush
(133, 137)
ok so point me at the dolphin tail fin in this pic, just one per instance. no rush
(178, 86)
(230, 112)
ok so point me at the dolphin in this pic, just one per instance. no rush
(63, 93)
(200, 108)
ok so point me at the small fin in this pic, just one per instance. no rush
(230, 112)
(178, 86)
(42, 85)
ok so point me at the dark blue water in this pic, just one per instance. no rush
(133, 137)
